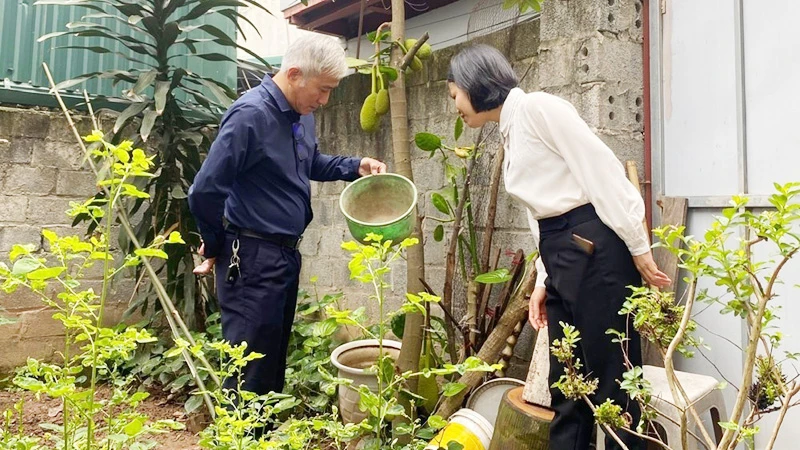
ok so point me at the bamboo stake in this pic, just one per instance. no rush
(166, 302)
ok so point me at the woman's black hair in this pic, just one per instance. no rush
(484, 74)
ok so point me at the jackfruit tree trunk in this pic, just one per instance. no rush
(412, 333)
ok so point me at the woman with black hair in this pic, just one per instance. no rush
(586, 220)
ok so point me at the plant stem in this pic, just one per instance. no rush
(784, 408)
(174, 320)
(751, 350)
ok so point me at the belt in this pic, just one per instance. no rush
(569, 219)
(292, 242)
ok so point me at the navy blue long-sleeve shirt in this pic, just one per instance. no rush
(258, 169)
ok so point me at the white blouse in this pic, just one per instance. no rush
(555, 163)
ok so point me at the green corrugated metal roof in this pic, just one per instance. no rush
(21, 56)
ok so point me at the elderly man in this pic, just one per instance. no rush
(252, 202)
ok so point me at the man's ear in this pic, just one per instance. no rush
(294, 74)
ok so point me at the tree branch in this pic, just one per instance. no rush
(412, 52)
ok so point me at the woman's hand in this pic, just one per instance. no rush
(649, 270)
(537, 314)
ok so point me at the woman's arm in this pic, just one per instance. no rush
(599, 173)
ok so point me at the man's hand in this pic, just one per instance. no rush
(649, 270)
(371, 166)
(537, 314)
(207, 266)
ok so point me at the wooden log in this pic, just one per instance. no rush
(524, 426)
(537, 386)
(490, 351)
(674, 211)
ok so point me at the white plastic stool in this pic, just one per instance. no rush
(703, 394)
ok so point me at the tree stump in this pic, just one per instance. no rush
(520, 425)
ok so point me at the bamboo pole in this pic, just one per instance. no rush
(175, 322)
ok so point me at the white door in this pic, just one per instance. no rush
(726, 108)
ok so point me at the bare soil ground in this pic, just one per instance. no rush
(157, 406)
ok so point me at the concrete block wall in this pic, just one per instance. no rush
(41, 171)
(585, 51)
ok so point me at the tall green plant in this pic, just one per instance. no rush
(746, 284)
(178, 107)
(91, 349)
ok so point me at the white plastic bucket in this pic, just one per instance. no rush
(466, 427)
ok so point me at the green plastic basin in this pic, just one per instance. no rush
(382, 204)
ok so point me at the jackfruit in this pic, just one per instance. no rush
(369, 116)
(425, 51)
(382, 102)
(416, 64)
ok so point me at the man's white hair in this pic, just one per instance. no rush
(315, 55)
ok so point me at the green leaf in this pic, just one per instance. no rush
(147, 123)
(19, 250)
(162, 89)
(390, 72)
(144, 81)
(193, 403)
(355, 63)
(459, 129)
(102, 256)
(134, 428)
(497, 276)
(440, 203)
(436, 422)
(219, 93)
(398, 325)
(131, 111)
(428, 142)
(151, 252)
(175, 238)
(451, 389)
(438, 233)
(25, 266)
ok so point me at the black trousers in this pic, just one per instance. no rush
(586, 288)
(259, 308)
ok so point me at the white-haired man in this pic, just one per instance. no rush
(252, 202)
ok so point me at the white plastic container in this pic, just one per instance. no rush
(466, 427)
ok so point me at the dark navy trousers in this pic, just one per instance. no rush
(258, 308)
(586, 288)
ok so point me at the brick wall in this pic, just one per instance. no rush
(41, 171)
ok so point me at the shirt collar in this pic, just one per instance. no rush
(279, 97)
(509, 108)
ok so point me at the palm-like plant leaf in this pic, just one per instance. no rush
(168, 100)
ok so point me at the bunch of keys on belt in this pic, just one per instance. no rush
(233, 269)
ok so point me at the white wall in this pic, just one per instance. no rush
(276, 33)
(449, 25)
(702, 134)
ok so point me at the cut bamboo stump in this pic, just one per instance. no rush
(520, 425)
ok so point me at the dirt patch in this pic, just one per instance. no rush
(157, 407)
